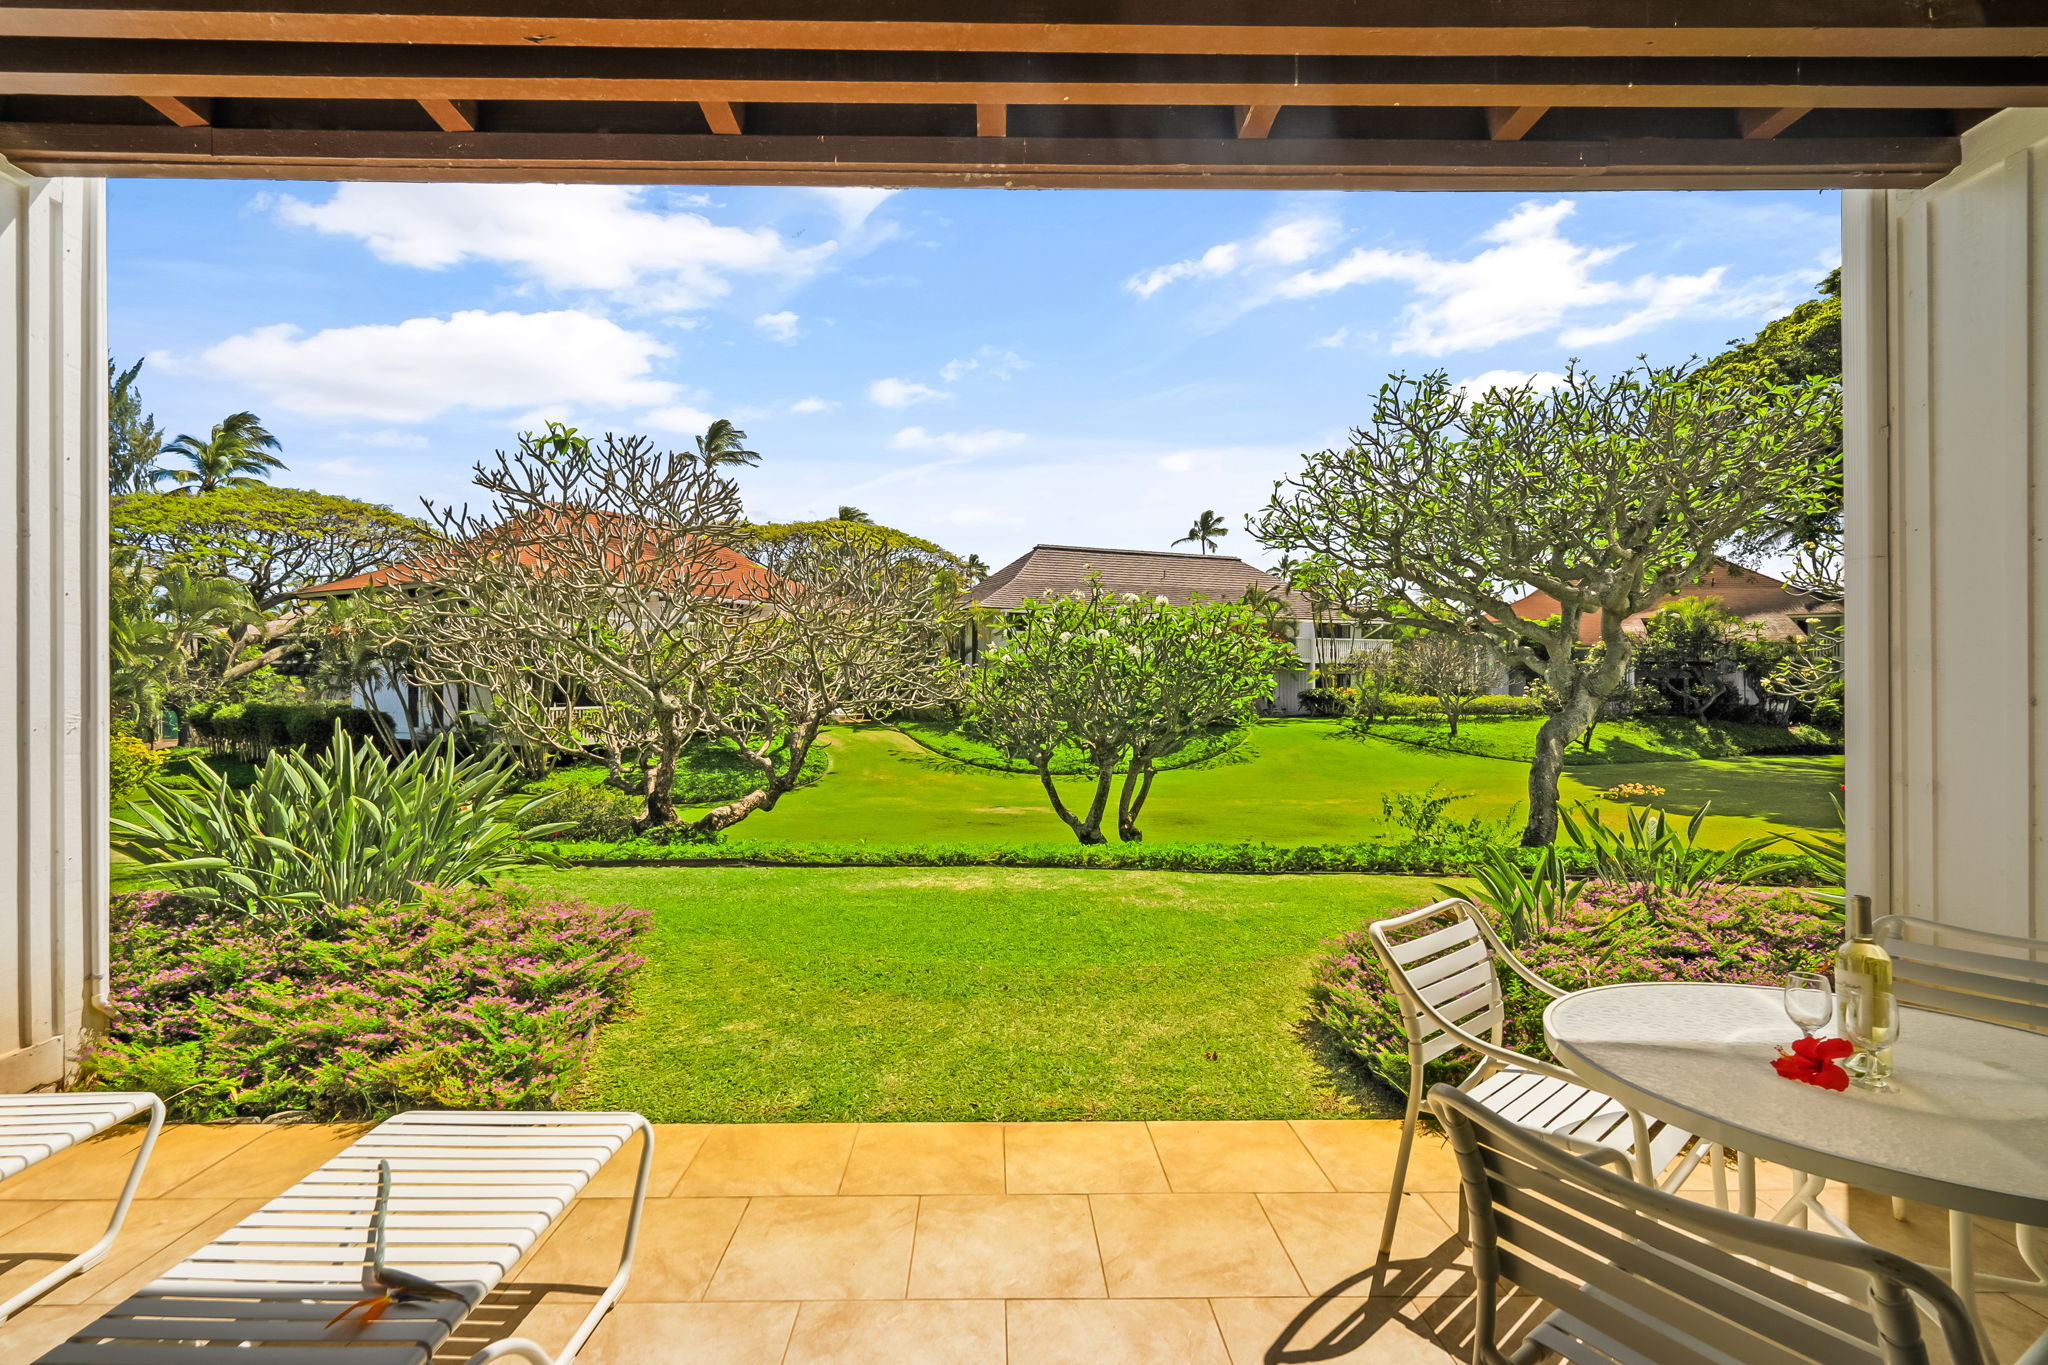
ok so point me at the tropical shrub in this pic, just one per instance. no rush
(252, 729)
(1649, 847)
(585, 810)
(1609, 934)
(344, 827)
(469, 998)
(131, 763)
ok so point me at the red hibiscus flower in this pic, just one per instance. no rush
(1813, 1060)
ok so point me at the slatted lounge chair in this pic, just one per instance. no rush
(1441, 961)
(36, 1127)
(470, 1194)
(2000, 979)
(1637, 1275)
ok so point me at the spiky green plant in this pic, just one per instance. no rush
(344, 827)
(1647, 848)
(1525, 900)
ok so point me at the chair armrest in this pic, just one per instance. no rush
(1489, 1049)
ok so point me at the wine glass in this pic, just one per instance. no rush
(1809, 1001)
(1870, 1020)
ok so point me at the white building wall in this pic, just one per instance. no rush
(53, 627)
(1945, 294)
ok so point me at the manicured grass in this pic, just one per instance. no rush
(1646, 739)
(1291, 782)
(960, 994)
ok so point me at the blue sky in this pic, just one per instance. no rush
(988, 368)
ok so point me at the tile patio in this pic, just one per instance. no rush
(801, 1244)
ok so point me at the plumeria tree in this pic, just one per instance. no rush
(607, 601)
(1607, 495)
(1122, 683)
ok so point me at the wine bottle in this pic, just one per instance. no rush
(1866, 1010)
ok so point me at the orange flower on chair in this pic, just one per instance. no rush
(1813, 1060)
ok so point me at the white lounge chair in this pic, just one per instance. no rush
(1638, 1275)
(470, 1193)
(34, 1128)
(1440, 961)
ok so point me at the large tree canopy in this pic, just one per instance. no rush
(1609, 496)
(272, 540)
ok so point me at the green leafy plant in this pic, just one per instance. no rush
(130, 766)
(348, 827)
(1647, 848)
(1526, 898)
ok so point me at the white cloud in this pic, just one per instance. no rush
(1531, 279)
(1334, 339)
(901, 393)
(1287, 242)
(997, 362)
(611, 238)
(347, 467)
(417, 369)
(853, 205)
(955, 442)
(679, 417)
(1543, 381)
(804, 407)
(780, 326)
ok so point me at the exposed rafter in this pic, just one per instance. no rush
(723, 116)
(185, 113)
(1509, 124)
(1757, 123)
(1256, 120)
(451, 116)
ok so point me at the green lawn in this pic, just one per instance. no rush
(1292, 782)
(960, 994)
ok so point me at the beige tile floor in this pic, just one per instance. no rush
(798, 1244)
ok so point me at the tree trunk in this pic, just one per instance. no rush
(660, 792)
(1132, 800)
(724, 817)
(1087, 829)
(1541, 830)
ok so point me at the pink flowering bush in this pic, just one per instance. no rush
(471, 997)
(1613, 932)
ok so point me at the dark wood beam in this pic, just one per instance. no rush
(1283, 163)
(1256, 120)
(992, 120)
(1657, 28)
(1509, 124)
(185, 113)
(1761, 123)
(723, 116)
(487, 84)
(451, 116)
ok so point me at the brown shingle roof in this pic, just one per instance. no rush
(1758, 598)
(1049, 570)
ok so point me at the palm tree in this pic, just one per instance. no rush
(134, 440)
(976, 568)
(236, 455)
(724, 443)
(854, 514)
(1207, 530)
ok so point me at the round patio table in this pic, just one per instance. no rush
(1967, 1128)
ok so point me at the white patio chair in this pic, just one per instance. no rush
(470, 1194)
(1639, 1275)
(1441, 962)
(2000, 979)
(34, 1128)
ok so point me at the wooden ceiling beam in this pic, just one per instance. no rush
(992, 120)
(723, 116)
(1442, 28)
(451, 116)
(1237, 161)
(1256, 120)
(1763, 123)
(185, 113)
(375, 85)
(1509, 124)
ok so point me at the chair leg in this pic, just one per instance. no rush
(1745, 1184)
(530, 1351)
(1719, 1157)
(1898, 1209)
(1401, 1163)
(1962, 1271)
(94, 1254)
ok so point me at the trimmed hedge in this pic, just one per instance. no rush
(1335, 701)
(253, 729)
(1405, 858)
